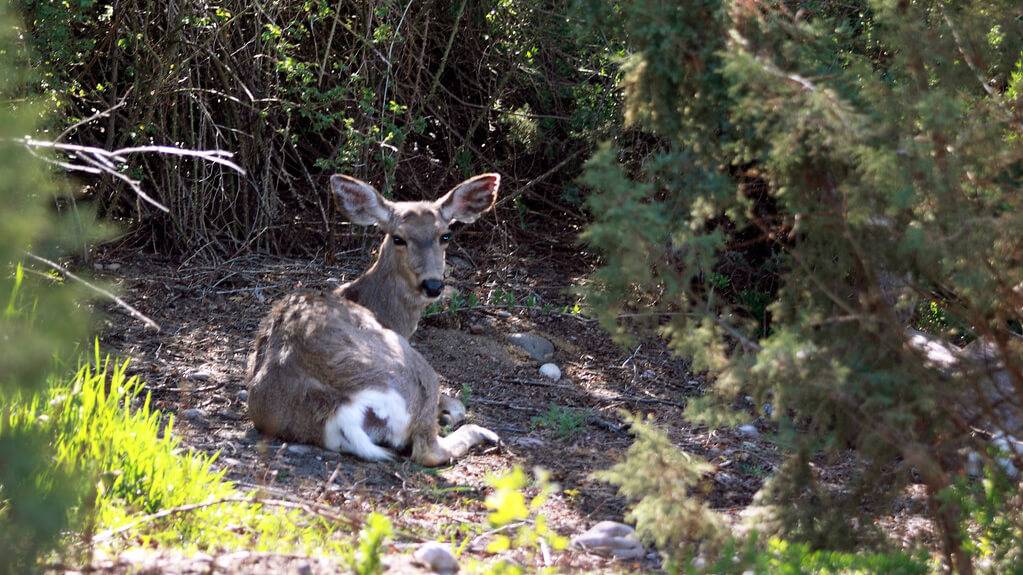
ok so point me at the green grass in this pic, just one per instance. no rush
(565, 422)
(103, 426)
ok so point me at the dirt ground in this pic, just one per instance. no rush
(194, 367)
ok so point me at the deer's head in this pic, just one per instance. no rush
(417, 232)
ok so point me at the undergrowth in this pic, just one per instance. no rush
(105, 427)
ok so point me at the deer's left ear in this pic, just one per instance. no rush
(469, 199)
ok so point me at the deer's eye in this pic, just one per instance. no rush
(399, 241)
(445, 238)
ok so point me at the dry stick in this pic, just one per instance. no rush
(447, 52)
(330, 40)
(120, 302)
(92, 118)
(521, 189)
(100, 161)
(285, 504)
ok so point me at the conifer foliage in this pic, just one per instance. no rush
(872, 154)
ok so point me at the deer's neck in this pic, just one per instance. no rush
(385, 292)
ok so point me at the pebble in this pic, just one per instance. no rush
(503, 313)
(610, 539)
(437, 557)
(527, 442)
(193, 414)
(243, 395)
(539, 348)
(299, 449)
(550, 371)
(476, 329)
(201, 374)
(749, 430)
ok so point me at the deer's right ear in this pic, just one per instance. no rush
(361, 201)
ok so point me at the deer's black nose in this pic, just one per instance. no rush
(433, 288)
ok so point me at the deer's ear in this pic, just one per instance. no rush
(469, 199)
(362, 202)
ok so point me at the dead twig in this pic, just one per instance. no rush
(312, 509)
(120, 302)
(101, 161)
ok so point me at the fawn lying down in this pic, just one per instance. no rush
(336, 369)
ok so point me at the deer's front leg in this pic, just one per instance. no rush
(433, 451)
(450, 411)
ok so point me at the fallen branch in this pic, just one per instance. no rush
(120, 302)
(312, 509)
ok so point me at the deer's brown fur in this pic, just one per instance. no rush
(336, 369)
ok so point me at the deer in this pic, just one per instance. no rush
(335, 368)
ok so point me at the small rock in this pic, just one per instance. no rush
(476, 328)
(527, 442)
(113, 267)
(503, 313)
(748, 430)
(437, 557)
(193, 414)
(299, 449)
(230, 461)
(97, 266)
(974, 464)
(304, 568)
(1013, 447)
(550, 371)
(201, 374)
(539, 348)
(243, 395)
(648, 374)
(610, 539)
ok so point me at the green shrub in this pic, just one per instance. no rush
(876, 150)
(102, 426)
(411, 95)
(565, 422)
(39, 319)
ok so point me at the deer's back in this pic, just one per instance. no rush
(316, 350)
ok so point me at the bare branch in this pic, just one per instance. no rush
(100, 161)
(311, 508)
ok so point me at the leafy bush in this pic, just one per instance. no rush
(875, 151)
(411, 95)
(39, 320)
(511, 510)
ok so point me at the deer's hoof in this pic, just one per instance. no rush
(484, 435)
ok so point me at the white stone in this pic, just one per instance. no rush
(299, 449)
(201, 374)
(610, 539)
(749, 430)
(550, 371)
(437, 557)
